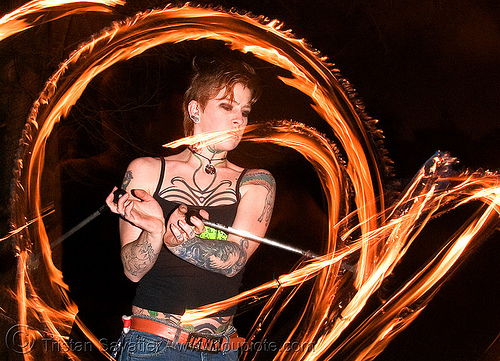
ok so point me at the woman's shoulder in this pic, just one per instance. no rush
(145, 163)
(260, 177)
(257, 184)
(152, 165)
(143, 172)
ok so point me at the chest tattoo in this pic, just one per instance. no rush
(191, 193)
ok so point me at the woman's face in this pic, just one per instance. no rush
(222, 114)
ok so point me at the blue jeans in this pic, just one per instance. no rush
(139, 345)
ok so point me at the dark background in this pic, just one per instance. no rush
(428, 70)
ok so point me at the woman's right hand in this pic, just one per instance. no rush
(140, 209)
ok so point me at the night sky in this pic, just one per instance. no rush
(428, 70)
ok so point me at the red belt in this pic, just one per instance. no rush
(191, 340)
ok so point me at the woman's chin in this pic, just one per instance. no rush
(228, 145)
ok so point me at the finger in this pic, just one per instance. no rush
(109, 201)
(204, 214)
(127, 208)
(199, 226)
(120, 206)
(178, 236)
(187, 229)
(123, 199)
(141, 194)
(182, 210)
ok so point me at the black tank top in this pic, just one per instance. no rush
(173, 285)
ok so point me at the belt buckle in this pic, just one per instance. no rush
(204, 343)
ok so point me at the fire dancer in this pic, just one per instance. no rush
(177, 262)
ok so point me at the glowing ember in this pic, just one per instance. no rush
(41, 10)
(382, 233)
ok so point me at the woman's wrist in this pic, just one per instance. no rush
(158, 231)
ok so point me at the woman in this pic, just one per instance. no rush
(180, 266)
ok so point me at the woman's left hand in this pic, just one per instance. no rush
(179, 231)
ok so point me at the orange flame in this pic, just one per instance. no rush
(17, 21)
(203, 140)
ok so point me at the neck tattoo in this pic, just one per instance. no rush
(209, 168)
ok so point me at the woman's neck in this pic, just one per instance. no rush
(209, 159)
(209, 152)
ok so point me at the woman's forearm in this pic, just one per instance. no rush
(139, 256)
(224, 257)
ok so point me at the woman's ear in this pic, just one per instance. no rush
(194, 108)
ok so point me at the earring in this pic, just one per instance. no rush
(194, 118)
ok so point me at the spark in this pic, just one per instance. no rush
(22, 228)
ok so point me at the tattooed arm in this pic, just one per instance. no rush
(141, 225)
(224, 257)
(140, 255)
(258, 190)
